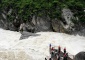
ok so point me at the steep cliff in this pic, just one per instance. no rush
(45, 15)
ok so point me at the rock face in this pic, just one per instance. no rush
(80, 56)
(42, 23)
(27, 34)
(65, 25)
(67, 16)
(80, 32)
(37, 24)
(6, 24)
(27, 27)
(57, 26)
(12, 27)
(3, 21)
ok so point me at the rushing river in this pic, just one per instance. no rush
(37, 47)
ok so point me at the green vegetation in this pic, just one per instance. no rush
(25, 9)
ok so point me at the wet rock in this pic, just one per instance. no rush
(67, 16)
(42, 23)
(80, 56)
(25, 35)
(57, 26)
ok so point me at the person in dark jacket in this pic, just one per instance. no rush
(65, 57)
(80, 56)
(52, 55)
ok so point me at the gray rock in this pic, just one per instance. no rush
(42, 23)
(3, 20)
(8, 24)
(25, 35)
(57, 26)
(12, 27)
(81, 32)
(80, 56)
(67, 16)
(26, 27)
(1, 23)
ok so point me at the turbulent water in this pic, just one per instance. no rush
(37, 47)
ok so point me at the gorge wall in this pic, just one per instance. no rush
(37, 24)
(41, 23)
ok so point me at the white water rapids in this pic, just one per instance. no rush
(37, 47)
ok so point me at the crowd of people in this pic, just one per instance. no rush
(57, 54)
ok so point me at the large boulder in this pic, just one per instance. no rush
(80, 32)
(42, 23)
(7, 24)
(67, 17)
(12, 27)
(80, 56)
(37, 24)
(27, 27)
(57, 26)
(25, 35)
(3, 20)
(66, 24)
(1, 23)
